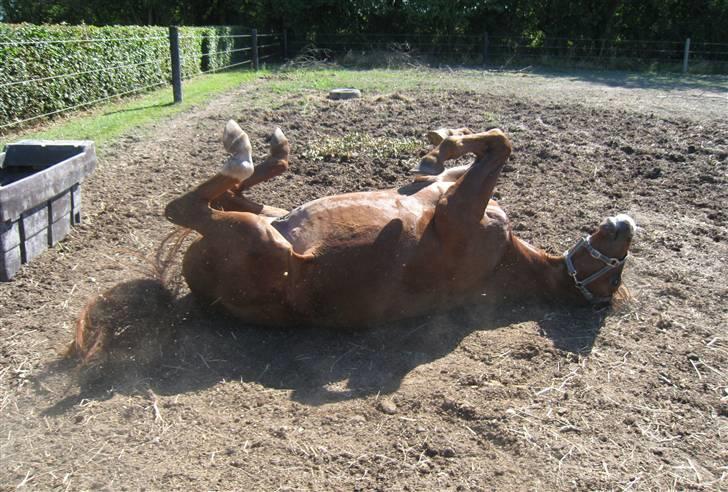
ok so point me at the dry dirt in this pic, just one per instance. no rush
(517, 397)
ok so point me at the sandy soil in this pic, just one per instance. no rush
(476, 399)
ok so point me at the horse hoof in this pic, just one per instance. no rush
(238, 168)
(437, 136)
(278, 137)
(235, 140)
(428, 166)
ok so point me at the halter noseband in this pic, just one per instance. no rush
(609, 265)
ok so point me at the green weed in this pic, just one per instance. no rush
(356, 144)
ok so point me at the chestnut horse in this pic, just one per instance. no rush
(358, 258)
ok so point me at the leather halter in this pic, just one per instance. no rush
(609, 265)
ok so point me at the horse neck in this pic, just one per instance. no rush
(526, 271)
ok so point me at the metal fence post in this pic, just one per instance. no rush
(285, 44)
(485, 48)
(176, 73)
(254, 46)
(686, 55)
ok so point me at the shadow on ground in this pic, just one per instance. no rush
(172, 346)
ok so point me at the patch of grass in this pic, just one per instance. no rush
(376, 80)
(356, 144)
(491, 119)
(107, 122)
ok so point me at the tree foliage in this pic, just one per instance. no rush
(703, 20)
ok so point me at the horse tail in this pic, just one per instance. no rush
(134, 311)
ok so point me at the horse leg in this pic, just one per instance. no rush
(463, 204)
(275, 164)
(437, 136)
(433, 162)
(240, 258)
(193, 209)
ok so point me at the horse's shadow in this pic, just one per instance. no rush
(172, 346)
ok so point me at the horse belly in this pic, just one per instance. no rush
(356, 218)
(349, 285)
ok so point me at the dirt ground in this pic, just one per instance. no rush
(514, 397)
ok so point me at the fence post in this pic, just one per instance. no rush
(285, 44)
(686, 55)
(254, 46)
(485, 48)
(176, 73)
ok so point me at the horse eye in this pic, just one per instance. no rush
(616, 280)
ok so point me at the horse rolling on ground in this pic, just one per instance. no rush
(360, 258)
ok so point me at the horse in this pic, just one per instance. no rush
(356, 259)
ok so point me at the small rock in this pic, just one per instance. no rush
(344, 93)
(655, 173)
(722, 410)
(693, 356)
(388, 407)
(358, 419)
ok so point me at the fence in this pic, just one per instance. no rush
(516, 50)
(38, 81)
(49, 70)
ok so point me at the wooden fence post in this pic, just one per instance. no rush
(254, 46)
(485, 48)
(285, 44)
(686, 55)
(176, 72)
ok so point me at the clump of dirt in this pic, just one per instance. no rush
(466, 400)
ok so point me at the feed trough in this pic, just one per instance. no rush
(40, 197)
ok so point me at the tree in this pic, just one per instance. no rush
(703, 20)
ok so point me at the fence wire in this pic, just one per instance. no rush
(507, 50)
(74, 74)
(193, 65)
(77, 40)
(81, 105)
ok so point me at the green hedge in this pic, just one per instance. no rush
(129, 57)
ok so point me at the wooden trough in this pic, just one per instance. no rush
(40, 197)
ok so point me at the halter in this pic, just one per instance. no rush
(609, 265)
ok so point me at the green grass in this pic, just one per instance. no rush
(107, 122)
(374, 80)
(355, 144)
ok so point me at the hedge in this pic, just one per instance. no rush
(106, 60)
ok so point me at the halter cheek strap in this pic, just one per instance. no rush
(609, 265)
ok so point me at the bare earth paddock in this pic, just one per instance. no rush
(519, 397)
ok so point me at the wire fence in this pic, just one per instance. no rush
(505, 51)
(35, 82)
(31, 89)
